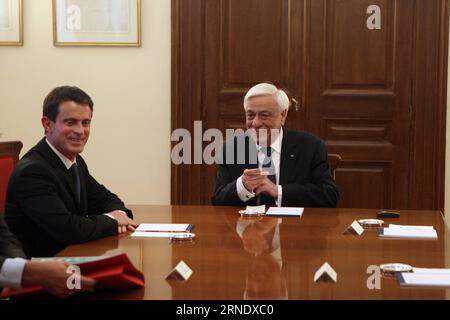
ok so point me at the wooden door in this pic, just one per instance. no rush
(357, 87)
(358, 96)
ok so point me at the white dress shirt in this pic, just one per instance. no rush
(245, 194)
(67, 162)
(11, 273)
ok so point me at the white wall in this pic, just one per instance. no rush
(129, 146)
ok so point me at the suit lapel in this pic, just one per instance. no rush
(289, 155)
(60, 169)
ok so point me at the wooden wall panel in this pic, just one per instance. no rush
(249, 27)
(428, 104)
(357, 57)
(357, 178)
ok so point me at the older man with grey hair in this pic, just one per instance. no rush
(270, 164)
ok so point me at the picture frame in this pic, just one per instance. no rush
(11, 23)
(97, 23)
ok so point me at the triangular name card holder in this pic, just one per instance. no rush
(325, 273)
(180, 272)
(354, 228)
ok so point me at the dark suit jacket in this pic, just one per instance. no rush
(9, 246)
(304, 171)
(41, 207)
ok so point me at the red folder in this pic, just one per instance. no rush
(109, 272)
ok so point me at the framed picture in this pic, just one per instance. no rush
(97, 23)
(11, 23)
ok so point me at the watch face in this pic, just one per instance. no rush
(395, 267)
(371, 222)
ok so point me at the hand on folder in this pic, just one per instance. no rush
(107, 272)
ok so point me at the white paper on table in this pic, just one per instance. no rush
(410, 227)
(413, 233)
(285, 211)
(412, 279)
(431, 271)
(175, 227)
(149, 234)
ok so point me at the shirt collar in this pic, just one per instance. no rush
(276, 145)
(67, 163)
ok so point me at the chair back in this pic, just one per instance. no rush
(334, 160)
(9, 155)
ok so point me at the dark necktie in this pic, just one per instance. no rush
(76, 180)
(268, 166)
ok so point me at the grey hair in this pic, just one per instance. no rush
(265, 89)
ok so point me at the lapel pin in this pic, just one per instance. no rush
(292, 155)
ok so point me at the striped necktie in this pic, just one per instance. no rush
(268, 166)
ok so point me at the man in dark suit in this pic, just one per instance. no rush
(15, 271)
(52, 200)
(270, 164)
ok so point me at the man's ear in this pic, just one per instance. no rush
(46, 123)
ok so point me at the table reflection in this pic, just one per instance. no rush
(264, 277)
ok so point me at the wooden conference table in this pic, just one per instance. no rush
(272, 258)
